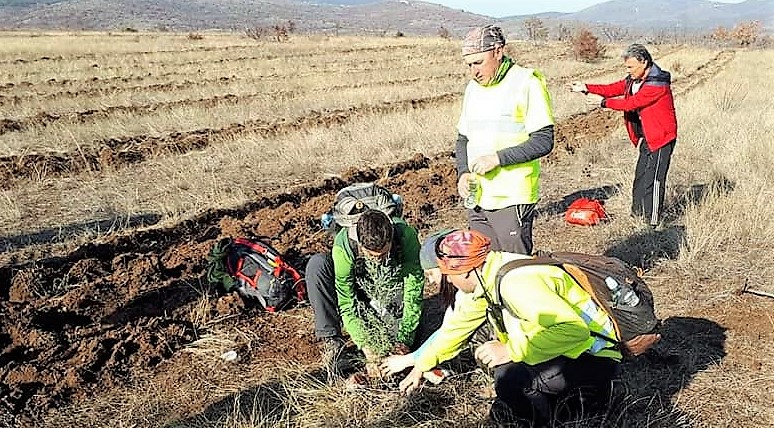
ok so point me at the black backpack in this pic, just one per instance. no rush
(256, 271)
(635, 323)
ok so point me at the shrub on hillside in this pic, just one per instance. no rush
(586, 46)
(746, 33)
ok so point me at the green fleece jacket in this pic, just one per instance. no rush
(410, 273)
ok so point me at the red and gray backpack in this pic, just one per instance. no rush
(256, 271)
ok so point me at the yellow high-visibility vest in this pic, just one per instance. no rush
(501, 116)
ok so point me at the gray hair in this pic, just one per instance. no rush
(638, 52)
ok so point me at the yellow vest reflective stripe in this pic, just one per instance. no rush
(493, 118)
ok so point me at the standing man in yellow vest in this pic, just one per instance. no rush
(506, 125)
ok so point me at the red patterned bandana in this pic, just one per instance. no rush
(462, 251)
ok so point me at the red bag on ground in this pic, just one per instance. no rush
(585, 212)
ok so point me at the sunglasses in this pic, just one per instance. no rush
(439, 253)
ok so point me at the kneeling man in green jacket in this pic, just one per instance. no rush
(545, 352)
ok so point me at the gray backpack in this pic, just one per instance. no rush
(352, 201)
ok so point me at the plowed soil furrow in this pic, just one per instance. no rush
(217, 62)
(580, 128)
(44, 118)
(119, 152)
(90, 56)
(93, 319)
(85, 81)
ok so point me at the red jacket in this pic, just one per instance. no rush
(653, 102)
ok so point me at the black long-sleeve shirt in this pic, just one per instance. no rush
(539, 144)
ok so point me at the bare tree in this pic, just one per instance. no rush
(563, 33)
(614, 33)
(536, 29)
(444, 33)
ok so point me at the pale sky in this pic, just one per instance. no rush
(500, 8)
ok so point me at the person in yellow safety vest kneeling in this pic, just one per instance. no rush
(506, 125)
(545, 353)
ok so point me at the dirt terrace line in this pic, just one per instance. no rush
(257, 45)
(109, 54)
(119, 152)
(246, 58)
(44, 119)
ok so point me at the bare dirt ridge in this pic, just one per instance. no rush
(120, 152)
(113, 89)
(91, 56)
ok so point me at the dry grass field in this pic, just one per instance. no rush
(124, 157)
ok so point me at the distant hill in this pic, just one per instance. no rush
(345, 16)
(689, 14)
(385, 17)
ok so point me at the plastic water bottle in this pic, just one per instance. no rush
(398, 204)
(629, 297)
(473, 188)
(615, 289)
(326, 220)
(622, 295)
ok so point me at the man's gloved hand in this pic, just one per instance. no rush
(578, 87)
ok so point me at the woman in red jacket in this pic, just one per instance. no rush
(645, 97)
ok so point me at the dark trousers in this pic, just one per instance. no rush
(561, 386)
(321, 289)
(510, 229)
(650, 182)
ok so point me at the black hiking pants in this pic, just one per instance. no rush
(509, 229)
(562, 388)
(321, 289)
(650, 182)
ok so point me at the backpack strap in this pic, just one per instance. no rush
(571, 270)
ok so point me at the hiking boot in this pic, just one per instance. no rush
(332, 349)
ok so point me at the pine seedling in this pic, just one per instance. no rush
(382, 283)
